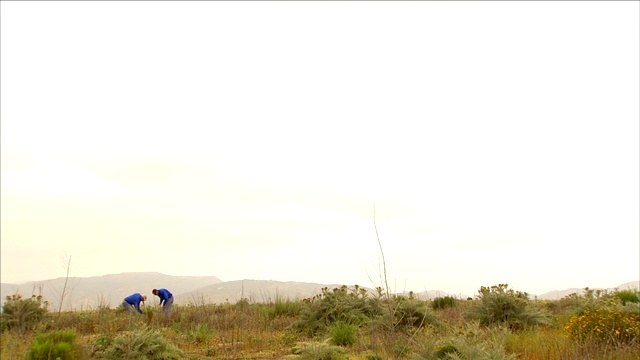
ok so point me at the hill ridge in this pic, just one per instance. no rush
(109, 289)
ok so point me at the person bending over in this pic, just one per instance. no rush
(132, 302)
(166, 299)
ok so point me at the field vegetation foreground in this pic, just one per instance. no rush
(340, 323)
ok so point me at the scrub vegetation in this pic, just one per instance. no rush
(340, 323)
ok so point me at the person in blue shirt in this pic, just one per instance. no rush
(132, 302)
(166, 299)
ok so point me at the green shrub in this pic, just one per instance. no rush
(469, 342)
(54, 345)
(352, 306)
(22, 314)
(343, 334)
(242, 303)
(200, 334)
(443, 302)
(410, 312)
(100, 345)
(610, 324)
(400, 349)
(285, 307)
(444, 350)
(627, 296)
(462, 348)
(140, 345)
(318, 351)
(500, 305)
(574, 304)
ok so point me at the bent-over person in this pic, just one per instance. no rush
(132, 302)
(166, 299)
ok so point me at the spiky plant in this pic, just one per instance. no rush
(141, 345)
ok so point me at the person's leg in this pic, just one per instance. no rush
(129, 307)
(167, 305)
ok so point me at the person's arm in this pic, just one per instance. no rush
(138, 307)
(164, 296)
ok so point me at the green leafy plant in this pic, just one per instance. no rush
(285, 307)
(200, 334)
(318, 351)
(469, 341)
(343, 334)
(141, 345)
(443, 302)
(22, 314)
(100, 345)
(409, 312)
(627, 296)
(467, 349)
(54, 345)
(500, 305)
(349, 305)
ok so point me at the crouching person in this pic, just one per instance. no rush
(132, 302)
(166, 299)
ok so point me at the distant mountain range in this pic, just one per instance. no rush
(110, 290)
(559, 294)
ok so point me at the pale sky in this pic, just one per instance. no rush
(498, 142)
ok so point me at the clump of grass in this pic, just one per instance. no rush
(343, 334)
(140, 345)
(466, 342)
(285, 307)
(318, 351)
(200, 334)
(627, 296)
(443, 302)
(54, 345)
(540, 343)
(410, 313)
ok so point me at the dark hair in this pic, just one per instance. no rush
(154, 291)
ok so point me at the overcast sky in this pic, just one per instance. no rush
(498, 142)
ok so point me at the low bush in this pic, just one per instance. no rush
(318, 351)
(627, 296)
(468, 342)
(610, 325)
(352, 306)
(500, 305)
(200, 333)
(57, 345)
(285, 307)
(343, 334)
(139, 345)
(443, 302)
(412, 313)
(465, 349)
(22, 314)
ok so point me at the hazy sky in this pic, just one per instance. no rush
(498, 141)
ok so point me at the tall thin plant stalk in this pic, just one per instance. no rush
(383, 276)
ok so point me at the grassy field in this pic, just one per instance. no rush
(341, 323)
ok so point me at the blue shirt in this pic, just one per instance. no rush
(164, 295)
(134, 300)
